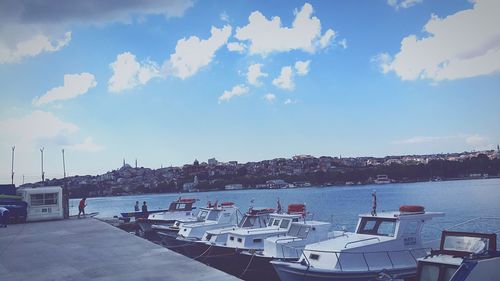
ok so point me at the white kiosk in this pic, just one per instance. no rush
(44, 203)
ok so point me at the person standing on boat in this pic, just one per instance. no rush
(81, 207)
(136, 207)
(145, 209)
(374, 203)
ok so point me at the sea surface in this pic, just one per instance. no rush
(460, 201)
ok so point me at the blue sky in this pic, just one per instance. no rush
(170, 81)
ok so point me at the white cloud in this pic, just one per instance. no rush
(30, 28)
(31, 47)
(88, 144)
(237, 90)
(469, 141)
(41, 128)
(343, 43)
(397, 4)
(302, 67)
(254, 73)
(269, 97)
(129, 73)
(224, 16)
(194, 53)
(284, 81)
(236, 47)
(290, 101)
(74, 85)
(266, 36)
(326, 38)
(465, 44)
(38, 126)
(476, 139)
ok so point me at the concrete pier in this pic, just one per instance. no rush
(88, 249)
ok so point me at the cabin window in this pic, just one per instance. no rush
(248, 222)
(203, 215)
(276, 222)
(377, 226)
(303, 232)
(429, 273)
(448, 272)
(271, 220)
(285, 223)
(239, 240)
(231, 238)
(257, 240)
(209, 236)
(213, 215)
(411, 227)
(43, 199)
(295, 219)
(314, 256)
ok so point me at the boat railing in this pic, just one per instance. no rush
(362, 260)
(260, 229)
(362, 240)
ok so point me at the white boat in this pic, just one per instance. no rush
(255, 218)
(242, 252)
(180, 209)
(382, 179)
(389, 242)
(218, 216)
(462, 256)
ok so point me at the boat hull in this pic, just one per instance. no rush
(297, 271)
(146, 231)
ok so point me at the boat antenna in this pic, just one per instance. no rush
(43, 173)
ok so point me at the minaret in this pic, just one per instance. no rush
(136, 163)
(123, 162)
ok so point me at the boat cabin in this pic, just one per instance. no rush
(210, 218)
(254, 218)
(181, 205)
(278, 224)
(462, 256)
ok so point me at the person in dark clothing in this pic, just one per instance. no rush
(374, 206)
(145, 209)
(81, 207)
(136, 207)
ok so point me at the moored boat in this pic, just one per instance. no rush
(462, 256)
(180, 209)
(387, 243)
(180, 236)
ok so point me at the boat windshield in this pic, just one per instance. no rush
(377, 226)
(213, 215)
(202, 215)
(248, 221)
(436, 272)
(298, 230)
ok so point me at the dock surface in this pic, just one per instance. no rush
(89, 249)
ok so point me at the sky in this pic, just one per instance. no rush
(169, 81)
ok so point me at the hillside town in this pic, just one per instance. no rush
(298, 171)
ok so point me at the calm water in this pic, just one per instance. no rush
(460, 200)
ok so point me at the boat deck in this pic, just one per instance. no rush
(89, 249)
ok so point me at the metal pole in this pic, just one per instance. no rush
(12, 169)
(64, 164)
(43, 173)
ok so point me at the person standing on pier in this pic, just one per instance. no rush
(145, 209)
(81, 207)
(374, 203)
(136, 207)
